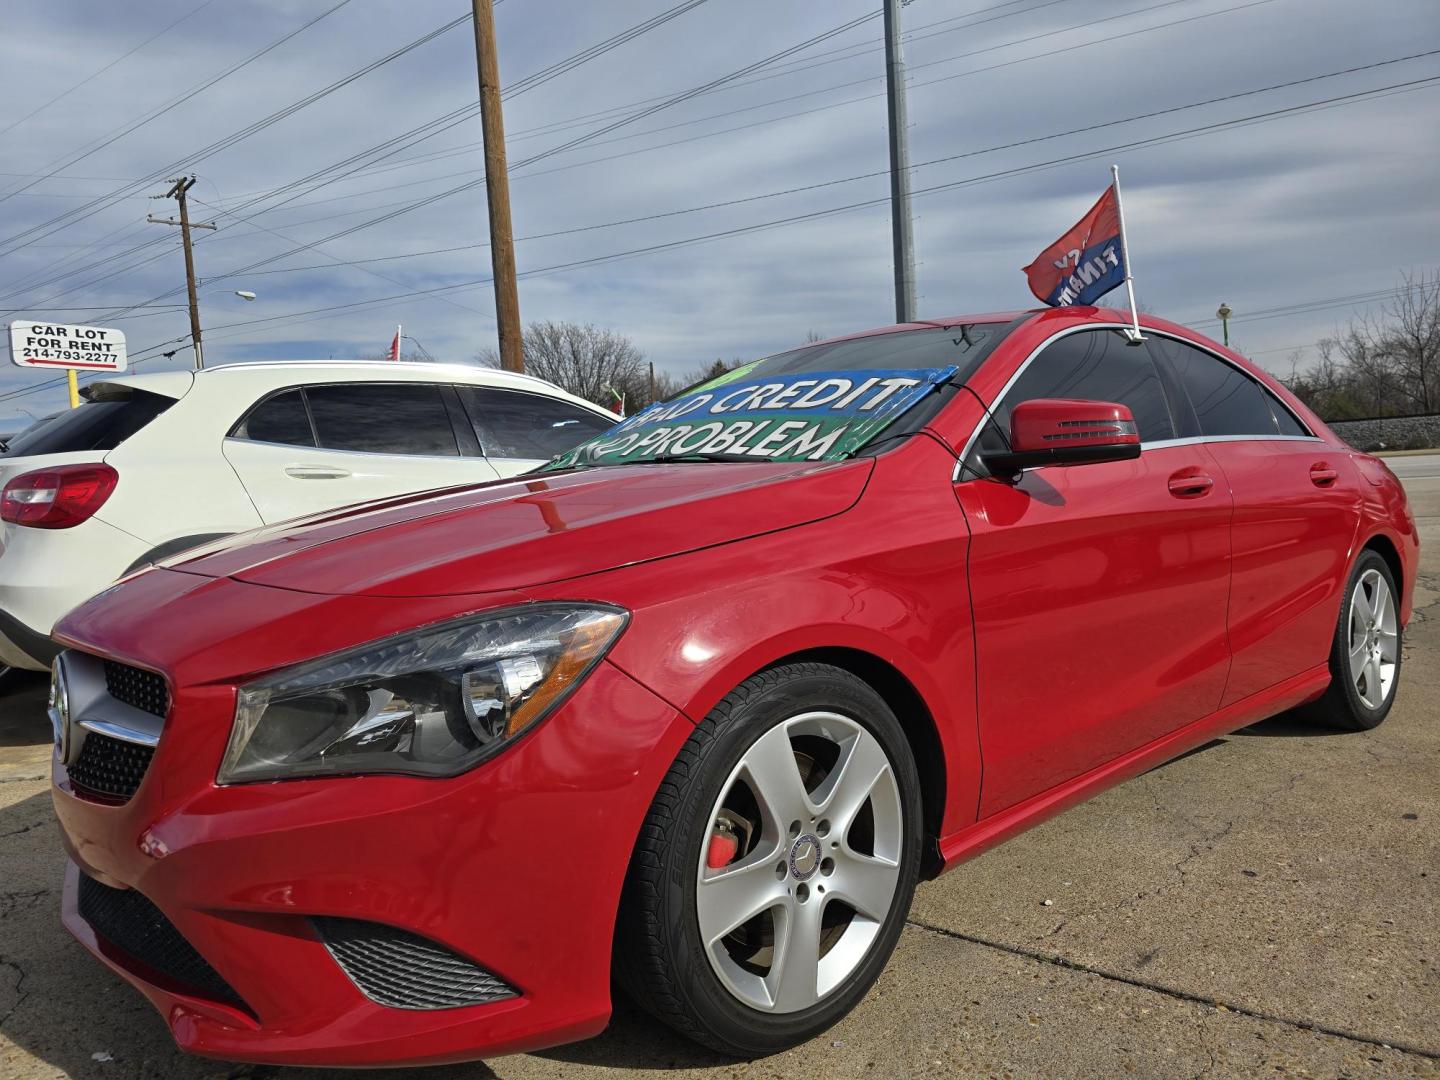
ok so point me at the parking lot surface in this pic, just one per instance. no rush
(1264, 906)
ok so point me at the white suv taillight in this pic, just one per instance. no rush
(57, 498)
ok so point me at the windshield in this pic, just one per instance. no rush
(96, 425)
(817, 403)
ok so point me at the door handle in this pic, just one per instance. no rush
(316, 472)
(1322, 475)
(1190, 484)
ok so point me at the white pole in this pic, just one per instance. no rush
(1135, 334)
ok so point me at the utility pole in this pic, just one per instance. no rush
(899, 167)
(497, 190)
(177, 192)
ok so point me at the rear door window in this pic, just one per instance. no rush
(383, 418)
(1226, 400)
(95, 425)
(531, 427)
(280, 419)
(1285, 420)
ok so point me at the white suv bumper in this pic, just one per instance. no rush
(44, 573)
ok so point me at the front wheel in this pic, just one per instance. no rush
(775, 869)
(1366, 653)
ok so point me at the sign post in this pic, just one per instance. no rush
(41, 343)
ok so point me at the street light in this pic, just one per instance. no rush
(244, 294)
(1224, 316)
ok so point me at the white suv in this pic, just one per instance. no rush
(154, 464)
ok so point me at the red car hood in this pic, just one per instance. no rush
(516, 533)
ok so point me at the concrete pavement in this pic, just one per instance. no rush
(1263, 906)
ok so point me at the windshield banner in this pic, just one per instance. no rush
(801, 416)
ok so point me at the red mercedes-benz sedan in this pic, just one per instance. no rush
(698, 704)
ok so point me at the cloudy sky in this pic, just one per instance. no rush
(341, 213)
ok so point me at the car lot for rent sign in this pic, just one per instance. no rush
(39, 343)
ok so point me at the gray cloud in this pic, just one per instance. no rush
(1324, 204)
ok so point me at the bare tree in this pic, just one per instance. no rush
(1380, 365)
(586, 360)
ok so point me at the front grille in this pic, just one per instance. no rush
(141, 689)
(404, 971)
(109, 767)
(131, 923)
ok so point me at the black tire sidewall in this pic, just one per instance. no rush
(734, 1024)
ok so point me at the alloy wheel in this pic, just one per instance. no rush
(801, 863)
(1374, 639)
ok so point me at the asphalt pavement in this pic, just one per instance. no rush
(1264, 906)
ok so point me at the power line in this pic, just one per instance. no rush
(1206, 129)
(882, 172)
(674, 100)
(544, 75)
(441, 124)
(101, 71)
(162, 110)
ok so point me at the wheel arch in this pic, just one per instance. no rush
(1387, 550)
(916, 720)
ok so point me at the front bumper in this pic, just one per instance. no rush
(516, 866)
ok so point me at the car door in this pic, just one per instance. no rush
(519, 431)
(1098, 591)
(1297, 509)
(309, 449)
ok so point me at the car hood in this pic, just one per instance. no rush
(534, 530)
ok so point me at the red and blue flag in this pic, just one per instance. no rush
(1084, 264)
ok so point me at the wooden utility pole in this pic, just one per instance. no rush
(177, 192)
(497, 190)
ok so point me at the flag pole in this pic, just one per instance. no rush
(1135, 336)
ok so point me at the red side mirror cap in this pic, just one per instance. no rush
(1066, 431)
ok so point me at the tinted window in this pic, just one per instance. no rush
(382, 418)
(96, 425)
(515, 425)
(1284, 419)
(281, 419)
(1225, 399)
(1097, 365)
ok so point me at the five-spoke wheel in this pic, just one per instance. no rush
(1367, 651)
(802, 863)
(774, 872)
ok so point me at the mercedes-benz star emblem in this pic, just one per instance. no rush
(805, 856)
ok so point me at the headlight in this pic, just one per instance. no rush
(433, 702)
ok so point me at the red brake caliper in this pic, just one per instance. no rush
(723, 846)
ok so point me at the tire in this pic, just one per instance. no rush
(728, 787)
(1359, 698)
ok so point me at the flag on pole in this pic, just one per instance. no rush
(1087, 262)
(395, 345)
(618, 406)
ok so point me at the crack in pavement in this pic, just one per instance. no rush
(20, 993)
(1176, 993)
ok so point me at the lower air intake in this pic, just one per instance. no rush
(404, 971)
(131, 923)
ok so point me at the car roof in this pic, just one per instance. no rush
(929, 324)
(266, 375)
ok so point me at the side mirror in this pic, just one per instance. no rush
(1064, 431)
